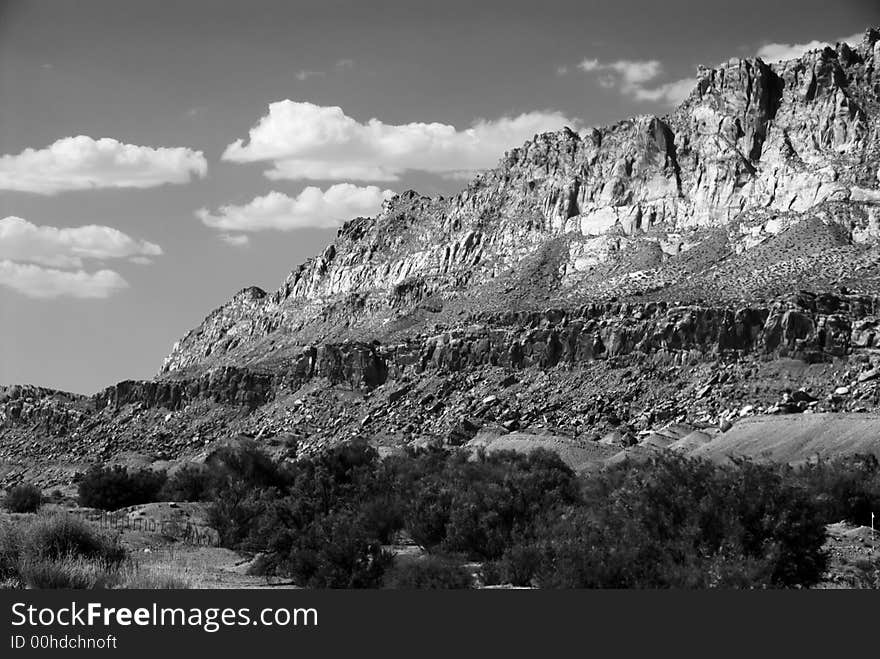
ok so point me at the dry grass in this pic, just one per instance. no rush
(69, 571)
(134, 575)
(79, 573)
(60, 551)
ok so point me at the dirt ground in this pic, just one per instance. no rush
(854, 557)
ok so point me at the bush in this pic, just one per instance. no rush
(192, 482)
(321, 521)
(680, 523)
(476, 506)
(23, 498)
(847, 488)
(68, 572)
(237, 514)
(671, 522)
(62, 536)
(429, 573)
(247, 463)
(519, 564)
(333, 551)
(58, 552)
(10, 553)
(111, 488)
(383, 517)
(429, 513)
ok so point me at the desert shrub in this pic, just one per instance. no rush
(517, 566)
(69, 571)
(243, 482)
(341, 479)
(192, 482)
(429, 513)
(65, 552)
(681, 523)
(846, 488)
(63, 536)
(475, 506)
(246, 463)
(23, 498)
(429, 573)
(773, 521)
(383, 516)
(238, 513)
(111, 488)
(333, 551)
(444, 501)
(10, 553)
(58, 552)
(323, 524)
(672, 522)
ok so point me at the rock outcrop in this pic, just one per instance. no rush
(753, 150)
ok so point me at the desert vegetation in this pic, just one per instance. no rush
(338, 519)
(847, 488)
(110, 488)
(61, 551)
(23, 498)
(528, 520)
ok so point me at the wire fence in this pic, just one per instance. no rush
(188, 532)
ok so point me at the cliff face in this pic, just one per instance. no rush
(582, 372)
(753, 150)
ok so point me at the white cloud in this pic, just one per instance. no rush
(31, 258)
(66, 248)
(312, 207)
(779, 52)
(82, 163)
(631, 78)
(39, 282)
(307, 141)
(235, 239)
(345, 63)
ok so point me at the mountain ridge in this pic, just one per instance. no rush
(736, 152)
(687, 269)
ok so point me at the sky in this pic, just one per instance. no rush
(158, 156)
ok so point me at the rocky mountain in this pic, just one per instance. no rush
(591, 287)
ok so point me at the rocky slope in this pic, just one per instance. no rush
(752, 150)
(662, 270)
